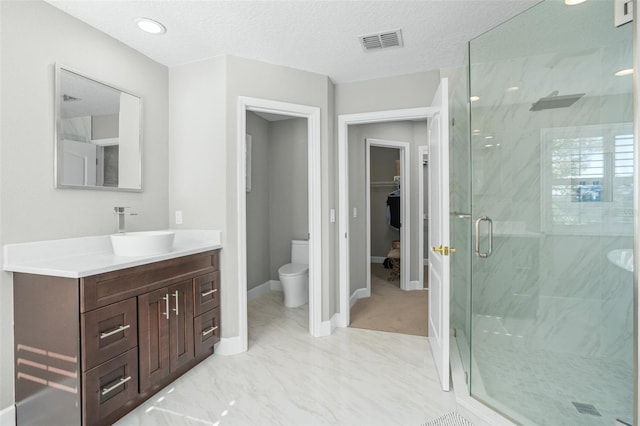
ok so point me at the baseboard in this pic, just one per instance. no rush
(8, 416)
(414, 285)
(264, 288)
(276, 285)
(377, 259)
(258, 291)
(227, 346)
(358, 294)
(327, 327)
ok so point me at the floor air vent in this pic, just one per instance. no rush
(383, 40)
(586, 409)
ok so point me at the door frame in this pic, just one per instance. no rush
(312, 114)
(422, 152)
(405, 206)
(344, 121)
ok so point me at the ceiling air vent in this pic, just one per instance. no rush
(383, 40)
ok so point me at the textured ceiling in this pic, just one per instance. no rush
(318, 36)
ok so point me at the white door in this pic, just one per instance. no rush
(79, 163)
(438, 234)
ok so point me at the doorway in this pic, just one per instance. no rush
(346, 123)
(312, 115)
(277, 194)
(387, 226)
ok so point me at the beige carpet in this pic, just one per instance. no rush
(389, 308)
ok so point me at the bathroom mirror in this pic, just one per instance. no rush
(98, 134)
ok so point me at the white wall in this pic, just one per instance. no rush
(277, 206)
(204, 103)
(258, 247)
(288, 189)
(261, 80)
(383, 94)
(34, 36)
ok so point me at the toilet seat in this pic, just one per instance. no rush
(292, 269)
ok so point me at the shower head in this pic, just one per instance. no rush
(555, 101)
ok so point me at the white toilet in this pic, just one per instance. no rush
(294, 276)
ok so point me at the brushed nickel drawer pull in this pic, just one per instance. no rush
(117, 385)
(204, 333)
(206, 293)
(112, 332)
(166, 305)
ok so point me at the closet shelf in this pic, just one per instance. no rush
(394, 182)
(383, 183)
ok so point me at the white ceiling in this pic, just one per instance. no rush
(313, 35)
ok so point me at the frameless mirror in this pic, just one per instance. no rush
(98, 134)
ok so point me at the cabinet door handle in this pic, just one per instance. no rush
(207, 293)
(112, 332)
(121, 382)
(212, 329)
(177, 302)
(166, 306)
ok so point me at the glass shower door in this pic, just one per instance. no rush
(552, 149)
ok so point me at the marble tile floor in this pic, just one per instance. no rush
(287, 377)
(518, 380)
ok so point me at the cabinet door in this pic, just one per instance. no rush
(153, 335)
(181, 324)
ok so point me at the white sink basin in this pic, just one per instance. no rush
(622, 258)
(145, 243)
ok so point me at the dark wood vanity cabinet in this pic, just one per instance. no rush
(166, 332)
(89, 350)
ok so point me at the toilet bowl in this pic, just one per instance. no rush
(294, 276)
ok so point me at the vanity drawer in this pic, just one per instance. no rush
(103, 289)
(207, 331)
(108, 331)
(206, 292)
(110, 387)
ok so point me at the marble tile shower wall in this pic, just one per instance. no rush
(550, 291)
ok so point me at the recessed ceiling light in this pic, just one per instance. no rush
(573, 2)
(488, 145)
(150, 26)
(488, 137)
(621, 73)
(513, 89)
(474, 98)
(476, 131)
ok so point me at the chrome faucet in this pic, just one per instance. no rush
(120, 212)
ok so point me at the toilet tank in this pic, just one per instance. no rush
(300, 251)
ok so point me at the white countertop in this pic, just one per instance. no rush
(85, 256)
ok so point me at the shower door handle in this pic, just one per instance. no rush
(490, 222)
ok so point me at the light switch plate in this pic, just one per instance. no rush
(178, 217)
(332, 215)
(355, 212)
(622, 12)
